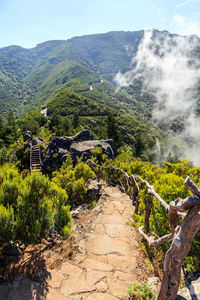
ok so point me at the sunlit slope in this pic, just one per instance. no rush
(29, 76)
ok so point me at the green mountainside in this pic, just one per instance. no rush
(86, 66)
(28, 77)
(94, 116)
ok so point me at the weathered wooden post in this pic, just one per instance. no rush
(137, 197)
(148, 210)
(133, 192)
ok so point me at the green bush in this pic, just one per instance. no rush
(98, 156)
(74, 181)
(40, 205)
(83, 171)
(63, 218)
(9, 193)
(6, 223)
(141, 291)
(31, 206)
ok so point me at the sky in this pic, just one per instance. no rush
(29, 22)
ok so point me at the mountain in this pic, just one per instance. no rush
(87, 64)
(167, 90)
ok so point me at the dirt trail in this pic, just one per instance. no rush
(109, 260)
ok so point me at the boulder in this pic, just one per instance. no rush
(53, 163)
(57, 143)
(79, 145)
(93, 192)
(27, 136)
(35, 141)
(84, 135)
(65, 142)
(82, 149)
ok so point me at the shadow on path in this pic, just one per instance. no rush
(24, 279)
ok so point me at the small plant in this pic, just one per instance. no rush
(141, 291)
(93, 203)
(55, 155)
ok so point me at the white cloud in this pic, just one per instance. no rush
(163, 62)
(186, 3)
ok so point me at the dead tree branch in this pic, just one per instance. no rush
(182, 240)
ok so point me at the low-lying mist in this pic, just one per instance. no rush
(168, 66)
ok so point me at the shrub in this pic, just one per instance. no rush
(98, 156)
(141, 291)
(30, 206)
(40, 207)
(78, 191)
(6, 223)
(74, 181)
(83, 171)
(9, 193)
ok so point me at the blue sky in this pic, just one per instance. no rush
(29, 22)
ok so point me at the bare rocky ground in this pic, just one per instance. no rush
(99, 263)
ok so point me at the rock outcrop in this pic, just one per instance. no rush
(59, 148)
(82, 149)
(79, 145)
(93, 190)
(27, 136)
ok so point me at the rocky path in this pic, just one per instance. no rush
(108, 261)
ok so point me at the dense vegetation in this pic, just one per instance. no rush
(168, 181)
(104, 122)
(31, 205)
(73, 79)
(28, 77)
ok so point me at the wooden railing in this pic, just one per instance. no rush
(181, 236)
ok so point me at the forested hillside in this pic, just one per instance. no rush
(30, 76)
